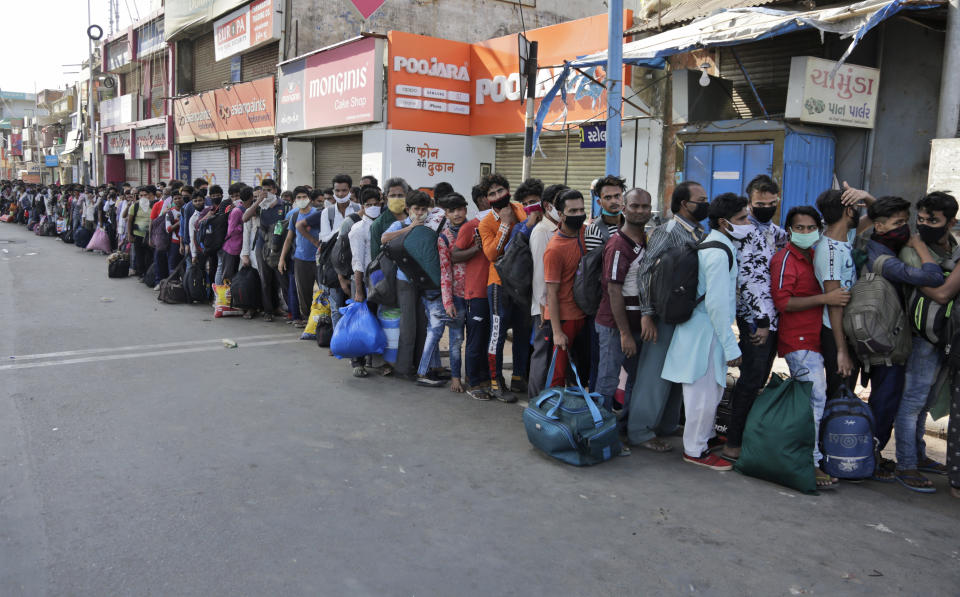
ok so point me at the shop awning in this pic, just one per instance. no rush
(72, 142)
(738, 26)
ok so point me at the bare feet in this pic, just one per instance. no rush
(455, 385)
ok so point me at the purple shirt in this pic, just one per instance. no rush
(234, 239)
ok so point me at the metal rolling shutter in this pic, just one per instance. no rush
(134, 174)
(208, 73)
(256, 162)
(549, 162)
(261, 62)
(337, 155)
(212, 164)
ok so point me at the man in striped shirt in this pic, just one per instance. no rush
(655, 403)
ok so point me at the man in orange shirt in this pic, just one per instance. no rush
(505, 313)
(560, 263)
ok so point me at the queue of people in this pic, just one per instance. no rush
(762, 291)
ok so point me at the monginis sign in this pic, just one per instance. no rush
(332, 87)
(241, 110)
(824, 93)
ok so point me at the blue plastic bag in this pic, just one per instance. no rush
(358, 333)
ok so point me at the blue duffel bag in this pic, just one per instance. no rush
(570, 425)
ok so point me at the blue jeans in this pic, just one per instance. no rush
(608, 368)
(173, 257)
(337, 299)
(436, 320)
(910, 424)
(506, 313)
(456, 328)
(886, 391)
(478, 336)
(807, 365)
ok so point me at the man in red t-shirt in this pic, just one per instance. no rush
(560, 263)
(468, 249)
(797, 296)
(619, 341)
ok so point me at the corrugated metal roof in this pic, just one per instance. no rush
(679, 11)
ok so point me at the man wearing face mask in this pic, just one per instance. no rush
(269, 213)
(704, 346)
(396, 195)
(756, 314)
(936, 216)
(560, 263)
(890, 234)
(800, 300)
(505, 312)
(655, 403)
(304, 241)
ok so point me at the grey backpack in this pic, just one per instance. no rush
(874, 320)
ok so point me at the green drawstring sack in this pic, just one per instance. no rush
(779, 434)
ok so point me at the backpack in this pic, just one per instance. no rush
(928, 318)
(515, 268)
(213, 232)
(326, 274)
(118, 265)
(273, 240)
(674, 281)
(150, 277)
(380, 280)
(846, 437)
(587, 290)
(195, 283)
(159, 236)
(172, 290)
(416, 255)
(245, 289)
(341, 255)
(874, 321)
(81, 237)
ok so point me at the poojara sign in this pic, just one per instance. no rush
(817, 94)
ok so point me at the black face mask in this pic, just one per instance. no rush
(574, 222)
(700, 211)
(763, 214)
(931, 234)
(500, 203)
(893, 239)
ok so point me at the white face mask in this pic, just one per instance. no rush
(301, 203)
(740, 231)
(342, 200)
(372, 212)
(552, 212)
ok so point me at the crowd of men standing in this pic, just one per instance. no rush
(783, 289)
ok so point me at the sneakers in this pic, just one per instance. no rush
(518, 385)
(430, 381)
(478, 393)
(709, 460)
(360, 371)
(496, 391)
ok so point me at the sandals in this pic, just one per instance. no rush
(931, 466)
(910, 481)
(823, 480)
(656, 445)
(360, 371)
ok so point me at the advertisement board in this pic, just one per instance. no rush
(245, 28)
(51, 161)
(424, 159)
(334, 87)
(847, 98)
(150, 38)
(236, 111)
(16, 144)
(179, 15)
(150, 139)
(119, 110)
(118, 143)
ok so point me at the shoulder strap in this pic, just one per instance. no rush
(713, 244)
(878, 264)
(331, 215)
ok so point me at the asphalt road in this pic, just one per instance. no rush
(138, 456)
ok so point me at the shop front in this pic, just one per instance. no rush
(151, 150)
(226, 135)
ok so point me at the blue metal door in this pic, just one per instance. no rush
(727, 167)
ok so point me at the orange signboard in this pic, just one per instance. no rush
(430, 84)
(443, 86)
(237, 111)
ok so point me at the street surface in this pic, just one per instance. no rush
(138, 456)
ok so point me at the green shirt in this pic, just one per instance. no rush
(377, 229)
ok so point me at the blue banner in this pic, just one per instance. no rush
(593, 135)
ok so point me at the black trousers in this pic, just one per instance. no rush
(754, 371)
(142, 255)
(272, 283)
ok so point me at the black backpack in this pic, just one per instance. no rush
(150, 277)
(587, 290)
(245, 289)
(341, 255)
(673, 283)
(172, 289)
(381, 281)
(195, 283)
(213, 232)
(515, 268)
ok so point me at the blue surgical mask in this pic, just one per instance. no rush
(804, 240)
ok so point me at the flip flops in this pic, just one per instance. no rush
(904, 480)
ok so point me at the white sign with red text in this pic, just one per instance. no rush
(246, 28)
(847, 97)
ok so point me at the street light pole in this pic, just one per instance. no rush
(93, 149)
(614, 85)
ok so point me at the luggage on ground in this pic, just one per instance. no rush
(778, 437)
(674, 280)
(81, 237)
(172, 289)
(245, 289)
(221, 301)
(319, 312)
(846, 437)
(570, 424)
(118, 265)
(195, 283)
(99, 241)
(357, 333)
(150, 276)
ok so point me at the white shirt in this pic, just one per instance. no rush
(250, 228)
(326, 229)
(360, 244)
(541, 235)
